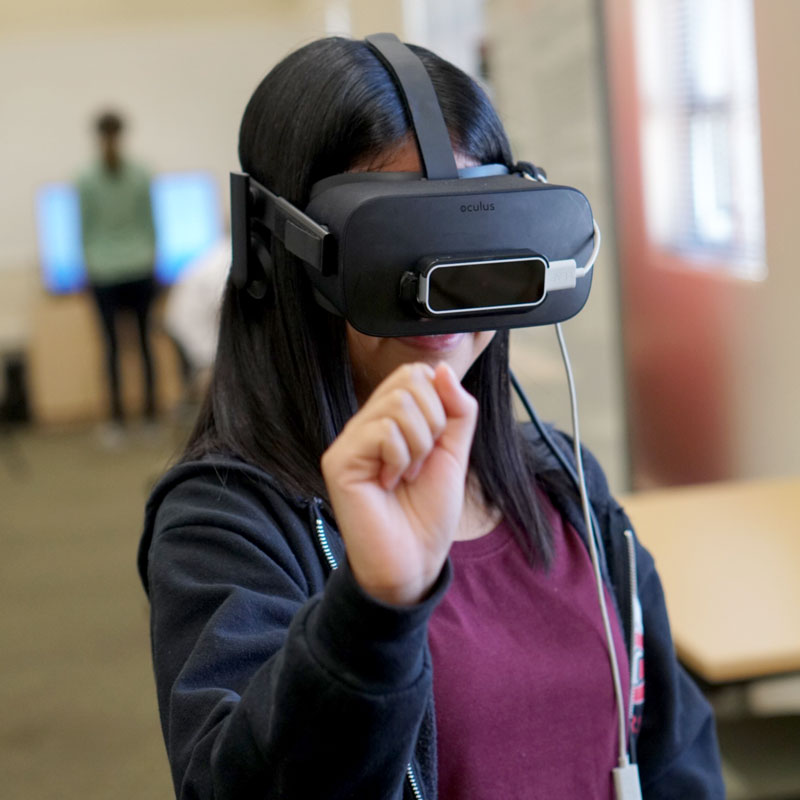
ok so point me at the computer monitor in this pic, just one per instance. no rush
(186, 213)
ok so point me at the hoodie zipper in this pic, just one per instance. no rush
(412, 779)
(322, 538)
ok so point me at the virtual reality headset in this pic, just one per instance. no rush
(446, 251)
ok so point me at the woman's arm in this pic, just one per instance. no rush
(267, 689)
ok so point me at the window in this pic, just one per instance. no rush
(701, 152)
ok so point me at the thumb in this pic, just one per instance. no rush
(461, 410)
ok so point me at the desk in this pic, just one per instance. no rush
(729, 558)
(66, 362)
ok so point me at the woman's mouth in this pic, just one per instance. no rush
(438, 343)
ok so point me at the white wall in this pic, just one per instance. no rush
(548, 79)
(183, 87)
(765, 344)
(181, 72)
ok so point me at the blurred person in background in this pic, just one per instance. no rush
(119, 245)
(191, 319)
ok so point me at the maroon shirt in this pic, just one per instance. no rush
(525, 703)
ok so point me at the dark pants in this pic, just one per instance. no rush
(137, 297)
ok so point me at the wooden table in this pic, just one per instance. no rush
(729, 558)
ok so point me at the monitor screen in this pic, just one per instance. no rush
(186, 212)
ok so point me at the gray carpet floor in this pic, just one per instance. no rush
(79, 718)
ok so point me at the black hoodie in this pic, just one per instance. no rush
(277, 677)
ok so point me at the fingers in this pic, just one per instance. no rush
(395, 454)
(407, 390)
(407, 437)
(427, 407)
(457, 402)
(461, 409)
(416, 381)
(409, 414)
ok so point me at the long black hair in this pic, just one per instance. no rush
(282, 387)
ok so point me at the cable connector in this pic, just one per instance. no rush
(561, 275)
(564, 274)
(626, 782)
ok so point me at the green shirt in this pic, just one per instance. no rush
(119, 239)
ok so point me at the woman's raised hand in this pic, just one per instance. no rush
(396, 477)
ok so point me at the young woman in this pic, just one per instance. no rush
(367, 581)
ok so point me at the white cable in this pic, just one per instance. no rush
(612, 653)
(579, 273)
(564, 274)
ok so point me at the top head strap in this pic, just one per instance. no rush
(419, 97)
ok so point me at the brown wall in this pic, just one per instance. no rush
(675, 317)
(711, 363)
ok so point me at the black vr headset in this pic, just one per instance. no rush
(403, 254)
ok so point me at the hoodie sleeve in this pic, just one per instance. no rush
(267, 689)
(677, 746)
